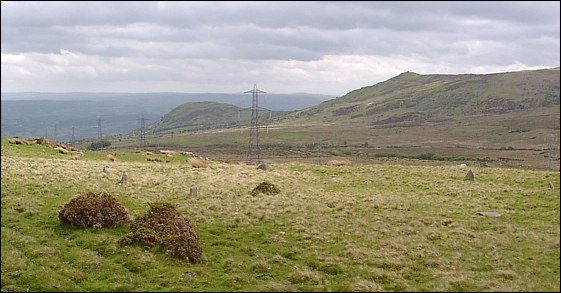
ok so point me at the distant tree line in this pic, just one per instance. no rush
(99, 145)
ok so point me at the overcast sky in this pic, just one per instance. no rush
(283, 47)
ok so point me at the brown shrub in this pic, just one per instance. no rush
(94, 210)
(266, 188)
(164, 226)
(156, 159)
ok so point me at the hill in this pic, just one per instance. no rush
(503, 119)
(205, 115)
(411, 98)
(59, 115)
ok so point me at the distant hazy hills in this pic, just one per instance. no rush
(411, 99)
(58, 115)
(515, 102)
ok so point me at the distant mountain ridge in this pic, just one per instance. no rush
(497, 107)
(60, 115)
(415, 98)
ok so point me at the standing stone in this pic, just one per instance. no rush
(107, 169)
(470, 176)
(194, 191)
(551, 186)
(124, 178)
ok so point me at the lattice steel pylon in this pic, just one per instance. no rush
(142, 130)
(99, 133)
(254, 150)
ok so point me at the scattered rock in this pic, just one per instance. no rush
(470, 176)
(197, 163)
(263, 166)
(489, 214)
(62, 150)
(167, 152)
(18, 140)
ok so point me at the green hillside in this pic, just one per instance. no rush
(206, 115)
(503, 119)
(197, 115)
(411, 98)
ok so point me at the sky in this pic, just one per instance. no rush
(324, 47)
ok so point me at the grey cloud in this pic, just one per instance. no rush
(285, 27)
(153, 37)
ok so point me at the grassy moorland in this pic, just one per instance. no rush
(491, 120)
(355, 227)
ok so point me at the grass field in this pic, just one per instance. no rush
(486, 142)
(358, 227)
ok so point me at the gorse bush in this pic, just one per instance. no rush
(94, 210)
(98, 145)
(165, 227)
(266, 188)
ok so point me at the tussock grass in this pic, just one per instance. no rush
(339, 162)
(330, 228)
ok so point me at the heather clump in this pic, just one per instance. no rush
(163, 226)
(94, 210)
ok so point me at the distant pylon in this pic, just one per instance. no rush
(99, 134)
(73, 139)
(142, 131)
(254, 150)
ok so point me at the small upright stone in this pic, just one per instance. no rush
(470, 176)
(124, 178)
(194, 191)
(551, 186)
(107, 169)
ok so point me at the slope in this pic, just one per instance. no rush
(206, 115)
(412, 98)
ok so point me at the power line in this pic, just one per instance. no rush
(73, 137)
(142, 130)
(99, 133)
(552, 144)
(254, 150)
